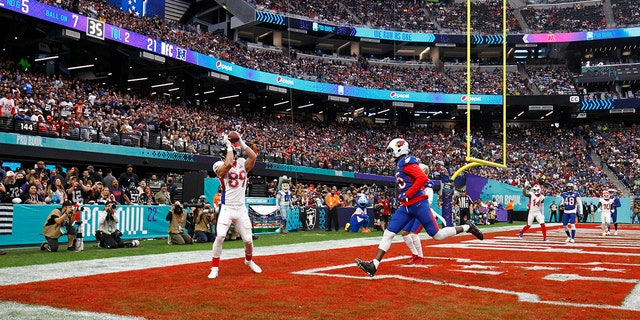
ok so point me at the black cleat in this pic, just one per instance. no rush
(367, 266)
(474, 230)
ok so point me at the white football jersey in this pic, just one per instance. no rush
(234, 184)
(606, 205)
(535, 203)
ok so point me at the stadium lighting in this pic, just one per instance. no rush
(229, 97)
(162, 85)
(519, 114)
(548, 114)
(81, 67)
(46, 58)
(210, 91)
(305, 106)
(280, 103)
(138, 79)
(173, 89)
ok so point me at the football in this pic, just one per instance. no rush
(233, 136)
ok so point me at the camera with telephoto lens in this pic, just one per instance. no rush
(193, 203)
(177, 209)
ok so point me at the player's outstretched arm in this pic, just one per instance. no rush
(251, 155)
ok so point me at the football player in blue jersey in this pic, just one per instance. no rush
(410, 180)
(572, 207)
(614, 211)
(410, 232)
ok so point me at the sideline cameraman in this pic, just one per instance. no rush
(57, 219)
(177, 218)
(205, 219)
(108, 235)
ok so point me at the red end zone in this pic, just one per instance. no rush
(500, 277)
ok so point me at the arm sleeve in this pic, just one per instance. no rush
(414, 171)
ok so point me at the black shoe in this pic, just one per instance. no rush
(474, 230)
(2, 252)
(43, 246)
(71, 249)
(367, 266)
(328, 230)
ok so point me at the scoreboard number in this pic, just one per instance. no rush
(95, 28)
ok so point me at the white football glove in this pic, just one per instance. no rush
(241, 142)
(227, 143)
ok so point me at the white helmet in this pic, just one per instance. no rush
(425, 168)
(570, 187)
(536, 189)
(217, 165)
(397, 148)
(606, 195)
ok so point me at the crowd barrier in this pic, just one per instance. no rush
(21, 224)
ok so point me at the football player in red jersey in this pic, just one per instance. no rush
(536, 200)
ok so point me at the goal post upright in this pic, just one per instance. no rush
(448, 190)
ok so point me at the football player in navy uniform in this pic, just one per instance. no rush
(410, 232)
(614, 211)
(410, 180)
(572, 206)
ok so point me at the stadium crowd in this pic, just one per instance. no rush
(70, 108)
(450, 16)
(618, 149)
(421, 77)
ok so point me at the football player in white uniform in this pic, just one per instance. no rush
(536, 200)
(232, 173)
(606, 206)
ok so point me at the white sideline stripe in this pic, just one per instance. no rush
(568, 277)
(35, 273)
(13, 310)
(632, 301)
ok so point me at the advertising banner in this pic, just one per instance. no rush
(135, 222)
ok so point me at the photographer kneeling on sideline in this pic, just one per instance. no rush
(177, 218)
(58, 218)
(108, 235)
(205, 220)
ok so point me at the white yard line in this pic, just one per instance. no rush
(27, 274)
